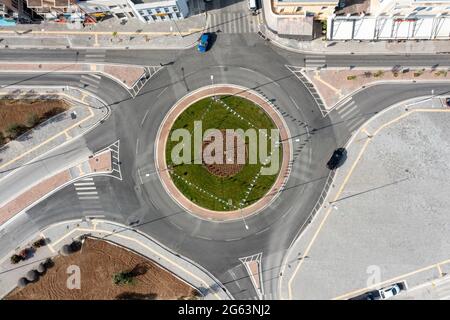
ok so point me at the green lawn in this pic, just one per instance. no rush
(215, 115)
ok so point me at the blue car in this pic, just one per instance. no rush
(203, 43)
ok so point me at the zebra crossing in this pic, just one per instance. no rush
(351, 115)
(196, 7)
(150, 71)
(90, 82)
(88, 196)
(95, 55)
(315, 62)
(232, 22)
(297, 71)
(114, 148)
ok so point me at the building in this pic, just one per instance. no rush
(15, 9)
(393, 20)
(319, 9)
(147, 11)
(409, 7)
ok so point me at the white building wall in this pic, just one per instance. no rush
(388, 28)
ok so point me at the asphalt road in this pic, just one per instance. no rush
(239, 59)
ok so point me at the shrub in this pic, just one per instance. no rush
(2, 138)
(15, 258)
(33, 120)
(39, 243)
(379, 73)
(352, 77)
(123, 278)
(367, 74)
(14, 130)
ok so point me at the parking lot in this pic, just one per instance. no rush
(388, 218)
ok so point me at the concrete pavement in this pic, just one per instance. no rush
(368, 233)
(65, 232)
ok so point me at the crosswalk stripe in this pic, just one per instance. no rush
(345, 106)
(87, 193)
(85, 188)
(348, 111)
(355, 123)
(83, 183)
(88, 197)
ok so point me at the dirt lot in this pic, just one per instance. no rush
(98, 262)
(20, 112)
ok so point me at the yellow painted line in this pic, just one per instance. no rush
(366, 132)
(49, 245)
(143, 245)
(46, 141)
(68, 136)
(80, 169)
(336, 90)
(343, 186)
(109, 33)
(438, 266)
(401, 277)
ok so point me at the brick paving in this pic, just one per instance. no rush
(102, 162)
(127, 75)
(163, 136)
(350, 81)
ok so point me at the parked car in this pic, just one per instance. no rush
(203, 43)
(338, 157)
(389, 292)
(447, 102)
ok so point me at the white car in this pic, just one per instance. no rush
(389, 292)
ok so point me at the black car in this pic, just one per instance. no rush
(338, 158)
(447, 102)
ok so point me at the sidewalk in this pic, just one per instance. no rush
(299, 251)
(64, 233)
(98, 164)
(319, 46)
(53, 132)
(107, 34)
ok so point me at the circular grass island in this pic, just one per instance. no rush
(230, 185)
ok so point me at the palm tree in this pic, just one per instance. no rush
(22, 282)
(32, 275)
(41, 268)
(66, 250)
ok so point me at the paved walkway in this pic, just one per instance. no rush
(107, 34)
(53, 132)
(65, 232)
(336, 85)
(352, 47)
(163, 136)
(100, 163)
(125, 75)
(301, 256)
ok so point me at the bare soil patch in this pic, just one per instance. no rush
(99, 261)
(18, 116)
(231, 160)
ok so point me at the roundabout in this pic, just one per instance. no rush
(223, 152)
